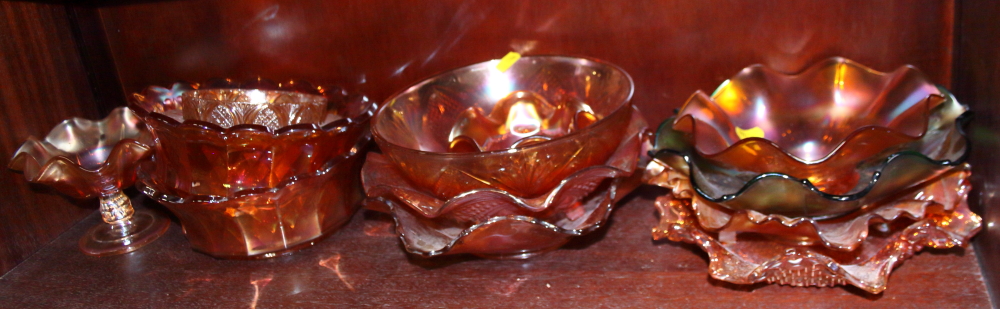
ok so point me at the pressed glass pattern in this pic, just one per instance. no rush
(935, 215)
(249, 190)
(505, 164)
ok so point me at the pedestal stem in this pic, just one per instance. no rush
(116, 209)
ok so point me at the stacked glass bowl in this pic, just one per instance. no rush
(254, 169)
(504, 162)
(828, 177)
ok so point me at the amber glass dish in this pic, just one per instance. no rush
(756, 173)
(250, 191)
(505, 163)
(268, 222)
(829, 177)
(817, 125)
(86, 159)
(423, 128)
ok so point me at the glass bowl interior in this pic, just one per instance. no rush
(203, 158)
(521, 130)
(811, 117)
(270, 108)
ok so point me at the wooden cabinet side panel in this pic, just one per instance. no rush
(977, 83)
(42, 82)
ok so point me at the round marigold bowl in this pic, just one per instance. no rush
(505, 163)
(249, 190)
(905, 132)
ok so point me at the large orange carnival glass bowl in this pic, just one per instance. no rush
(820, 143)
(831, 176)
(246, 167)
(505, 162)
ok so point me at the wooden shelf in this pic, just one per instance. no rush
(60, 59)
(364, 265)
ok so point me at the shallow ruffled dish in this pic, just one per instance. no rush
(491, 223)
(495, 223)
(844, 233)
(816, 125)
(936, 214)
(906, 165)
(202, 158)
(83, 159)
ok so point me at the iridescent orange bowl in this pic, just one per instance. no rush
(86, 159)
(882, 179)
(264, 222)
(817, 125)
(755, 173)
(480, 160)
(203, 158)
(250, 191)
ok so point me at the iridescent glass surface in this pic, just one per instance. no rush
(816, 125)
(829, 177)
(860, 249)
(269, 108)
(505, 163)
(86, 159)
(755, 174)
(249, 190)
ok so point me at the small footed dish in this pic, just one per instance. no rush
(85, 159)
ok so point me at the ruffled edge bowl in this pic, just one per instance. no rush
(886, 169)
(43, 162)
(409, 205)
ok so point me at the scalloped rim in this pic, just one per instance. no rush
(887, 212)
(810, 70)
(161, 196)
(338, 125)
(625, 104)
(636, 137)
(526, 204)
(873, 285)
(960, 123)
(27, 152)
(609, 206)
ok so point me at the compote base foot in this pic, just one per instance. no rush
(111, 239)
